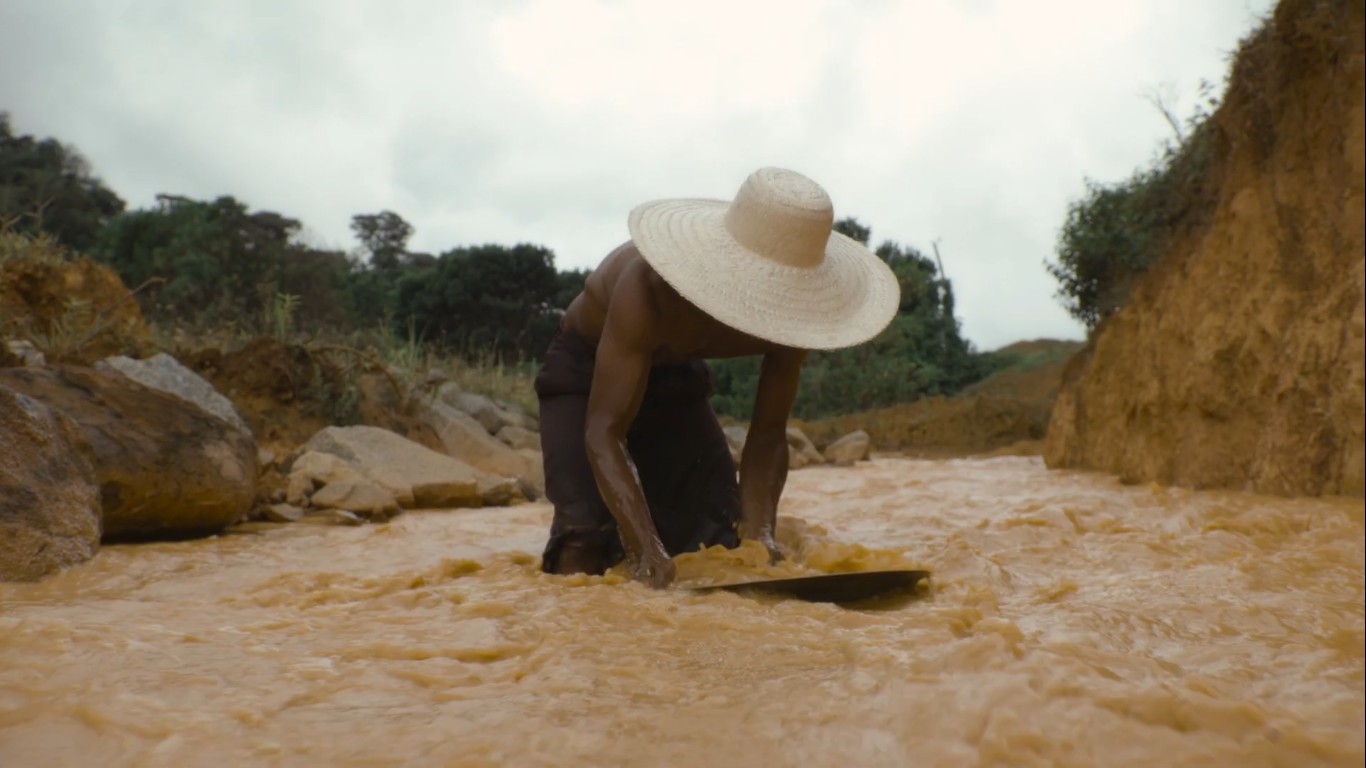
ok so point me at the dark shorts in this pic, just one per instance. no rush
(675, 441)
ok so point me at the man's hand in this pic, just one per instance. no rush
(763, 535)
(653, 568)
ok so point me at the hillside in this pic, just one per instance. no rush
(1238, 363)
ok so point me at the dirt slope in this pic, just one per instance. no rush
(1005, 412)
(1239, 361)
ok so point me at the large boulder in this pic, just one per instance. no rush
(851, 448)
(493, 416)
(165, 373)
(464, 438)
(414, 475)
(801, 451)
(49, 501)
(165, 467)
(519, 438)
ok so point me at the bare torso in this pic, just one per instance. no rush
(689, 334)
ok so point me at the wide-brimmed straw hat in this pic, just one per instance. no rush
(768, 264)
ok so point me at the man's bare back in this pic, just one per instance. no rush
(637, 321)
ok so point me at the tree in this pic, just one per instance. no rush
(221, 262)
(850, 227)
(46, 186)
(485, 299)
(384, 236)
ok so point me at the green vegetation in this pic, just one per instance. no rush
(47, 187)
(215, 272)
(1116, 232)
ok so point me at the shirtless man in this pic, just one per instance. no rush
(636, 464)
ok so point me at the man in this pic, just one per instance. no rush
(636, 465)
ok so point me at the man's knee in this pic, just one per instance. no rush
(582, 551)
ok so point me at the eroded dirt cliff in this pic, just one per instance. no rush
(1239, 361)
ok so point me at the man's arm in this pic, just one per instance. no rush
(763, 466)
(620, 375)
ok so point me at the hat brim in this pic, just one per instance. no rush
(846, 300)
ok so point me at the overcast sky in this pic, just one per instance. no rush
(967, 122)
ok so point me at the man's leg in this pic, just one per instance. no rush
(686, 469)
(583, 535)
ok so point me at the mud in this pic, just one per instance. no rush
(1073, 621)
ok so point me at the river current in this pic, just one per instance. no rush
(1071, 621)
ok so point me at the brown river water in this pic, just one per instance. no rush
(1072, 621)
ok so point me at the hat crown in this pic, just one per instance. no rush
(782, 216)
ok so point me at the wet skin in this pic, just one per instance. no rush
(637, 321)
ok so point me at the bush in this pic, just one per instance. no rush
(1115, 232)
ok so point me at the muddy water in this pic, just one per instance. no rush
(1073, 621)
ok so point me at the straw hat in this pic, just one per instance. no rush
(768, 263)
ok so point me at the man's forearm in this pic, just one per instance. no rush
(763, 473)
(619, 484)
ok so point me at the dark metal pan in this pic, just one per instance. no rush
(841, 588)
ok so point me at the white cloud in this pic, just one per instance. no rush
(545, 121)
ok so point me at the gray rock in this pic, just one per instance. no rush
(413, 473)
(49, 498)
(735, 439)
(335, 517)
(165, 373)
(363, 498)
(281, 513)
(28, 355)
(801, 451)
(491, 415)
(519, 438)
(851, 448)
(533, 482)
(166, 468)
(464, 438)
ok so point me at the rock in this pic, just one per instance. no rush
(359, 496)
(265, 458)
(27, 355)
(534, 479)
(49, 500)
(519, 438)
(735, 439)
(335, 517)
(165, 467)
(165, 373)
(465, 439)
(1240, 359)
(416, 475)
(314, 469)
(491, 416)
(801, 451)
(282, 513)
(849, 449)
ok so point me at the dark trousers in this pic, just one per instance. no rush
(677, 446)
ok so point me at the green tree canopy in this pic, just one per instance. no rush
(46, 186)
(1115, 232)
(486, 298)
(384, 236)
(220, 261)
